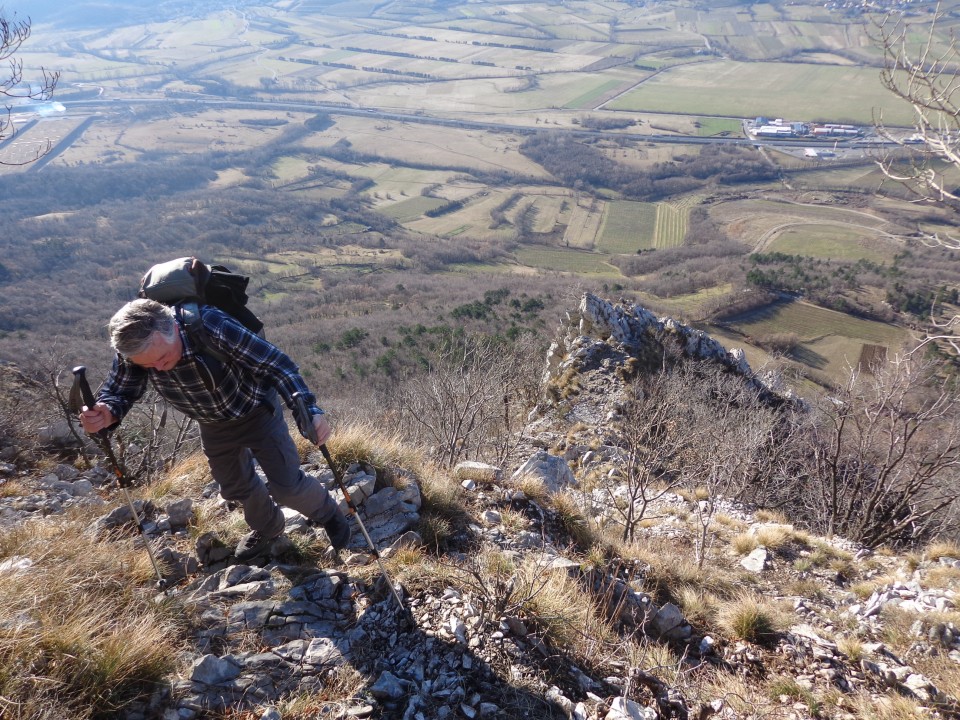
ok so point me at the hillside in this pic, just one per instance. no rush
(569, 581)
(379, 168)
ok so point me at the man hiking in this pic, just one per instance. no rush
(236, 406)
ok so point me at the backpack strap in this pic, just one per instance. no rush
(188, 314)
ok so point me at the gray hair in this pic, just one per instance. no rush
(133, 326)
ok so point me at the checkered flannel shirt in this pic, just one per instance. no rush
(252, 368)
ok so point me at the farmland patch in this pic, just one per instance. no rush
(671, 227)
(792, 90)
(834, 242)
(628, 227)
(420, 145)
(810, 322)
(829, 341)
(586, 219)
(565, 260)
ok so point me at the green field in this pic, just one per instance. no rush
(628, 227)
(564, 260)
(589, 98)
(830, 342)
(710, 126)
(411, 209)
(672, 223)
(811, 323)
(834, 242)
(788, 90)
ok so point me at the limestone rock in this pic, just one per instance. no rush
(553, 471)
(477, 471)
(756, 561)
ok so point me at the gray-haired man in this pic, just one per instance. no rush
(235, 404)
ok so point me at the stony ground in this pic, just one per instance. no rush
(297, 634)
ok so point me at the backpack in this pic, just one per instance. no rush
(186, 283)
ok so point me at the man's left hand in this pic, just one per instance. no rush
(322, 427)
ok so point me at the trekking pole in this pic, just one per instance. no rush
(305, 423)
(103, 441)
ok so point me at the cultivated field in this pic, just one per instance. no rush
(761, 222)
(830, 341)
(672, 222)
(585, 224)
(32, 140)
(628, 227)
(404, 143)
(565, 260)
(834, 242)
(787, 90)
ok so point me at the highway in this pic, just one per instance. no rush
(317, 107)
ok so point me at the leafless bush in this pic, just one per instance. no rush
(735, 431)
(655, 436)
(778, 343)
(885, 455)
(153, 438)
(467, 404)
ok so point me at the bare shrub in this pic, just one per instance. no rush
(885, 455)
(467, 404)
(778, 343)
(655, 435)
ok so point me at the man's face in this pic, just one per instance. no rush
(160, 354)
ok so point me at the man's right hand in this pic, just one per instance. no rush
(96, 418)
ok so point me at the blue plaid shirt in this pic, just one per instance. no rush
(252, 369)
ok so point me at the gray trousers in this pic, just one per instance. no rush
(231, 447)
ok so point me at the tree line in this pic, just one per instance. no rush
(581, 165)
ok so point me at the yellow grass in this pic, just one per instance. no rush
(86, 637)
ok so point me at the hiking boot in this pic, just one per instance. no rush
(253, 544)
(338, 530)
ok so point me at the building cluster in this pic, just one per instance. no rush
(765, 127)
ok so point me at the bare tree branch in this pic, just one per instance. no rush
(13, 33)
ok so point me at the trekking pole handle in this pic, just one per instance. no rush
(304, 419)
(80, 378)
(80, 375)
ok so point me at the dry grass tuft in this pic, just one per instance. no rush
(84, 642)
(728, 521)
(939, 550)
(782, 688)
(774, 537)
(671, 567)
(865, 589)
(563, 611)
(513, 521)
(852, 647)
(748, 617)
(186, 479)
(805, 589)
(573, 519)
(741, 697)
(694, 495)
(361, 442)
(888, 707)
(533, 487)
(443, 507)
(744, 543)
(942, 577)
(341, 685)
(13, 488)
(771, 516)
(699, 607)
